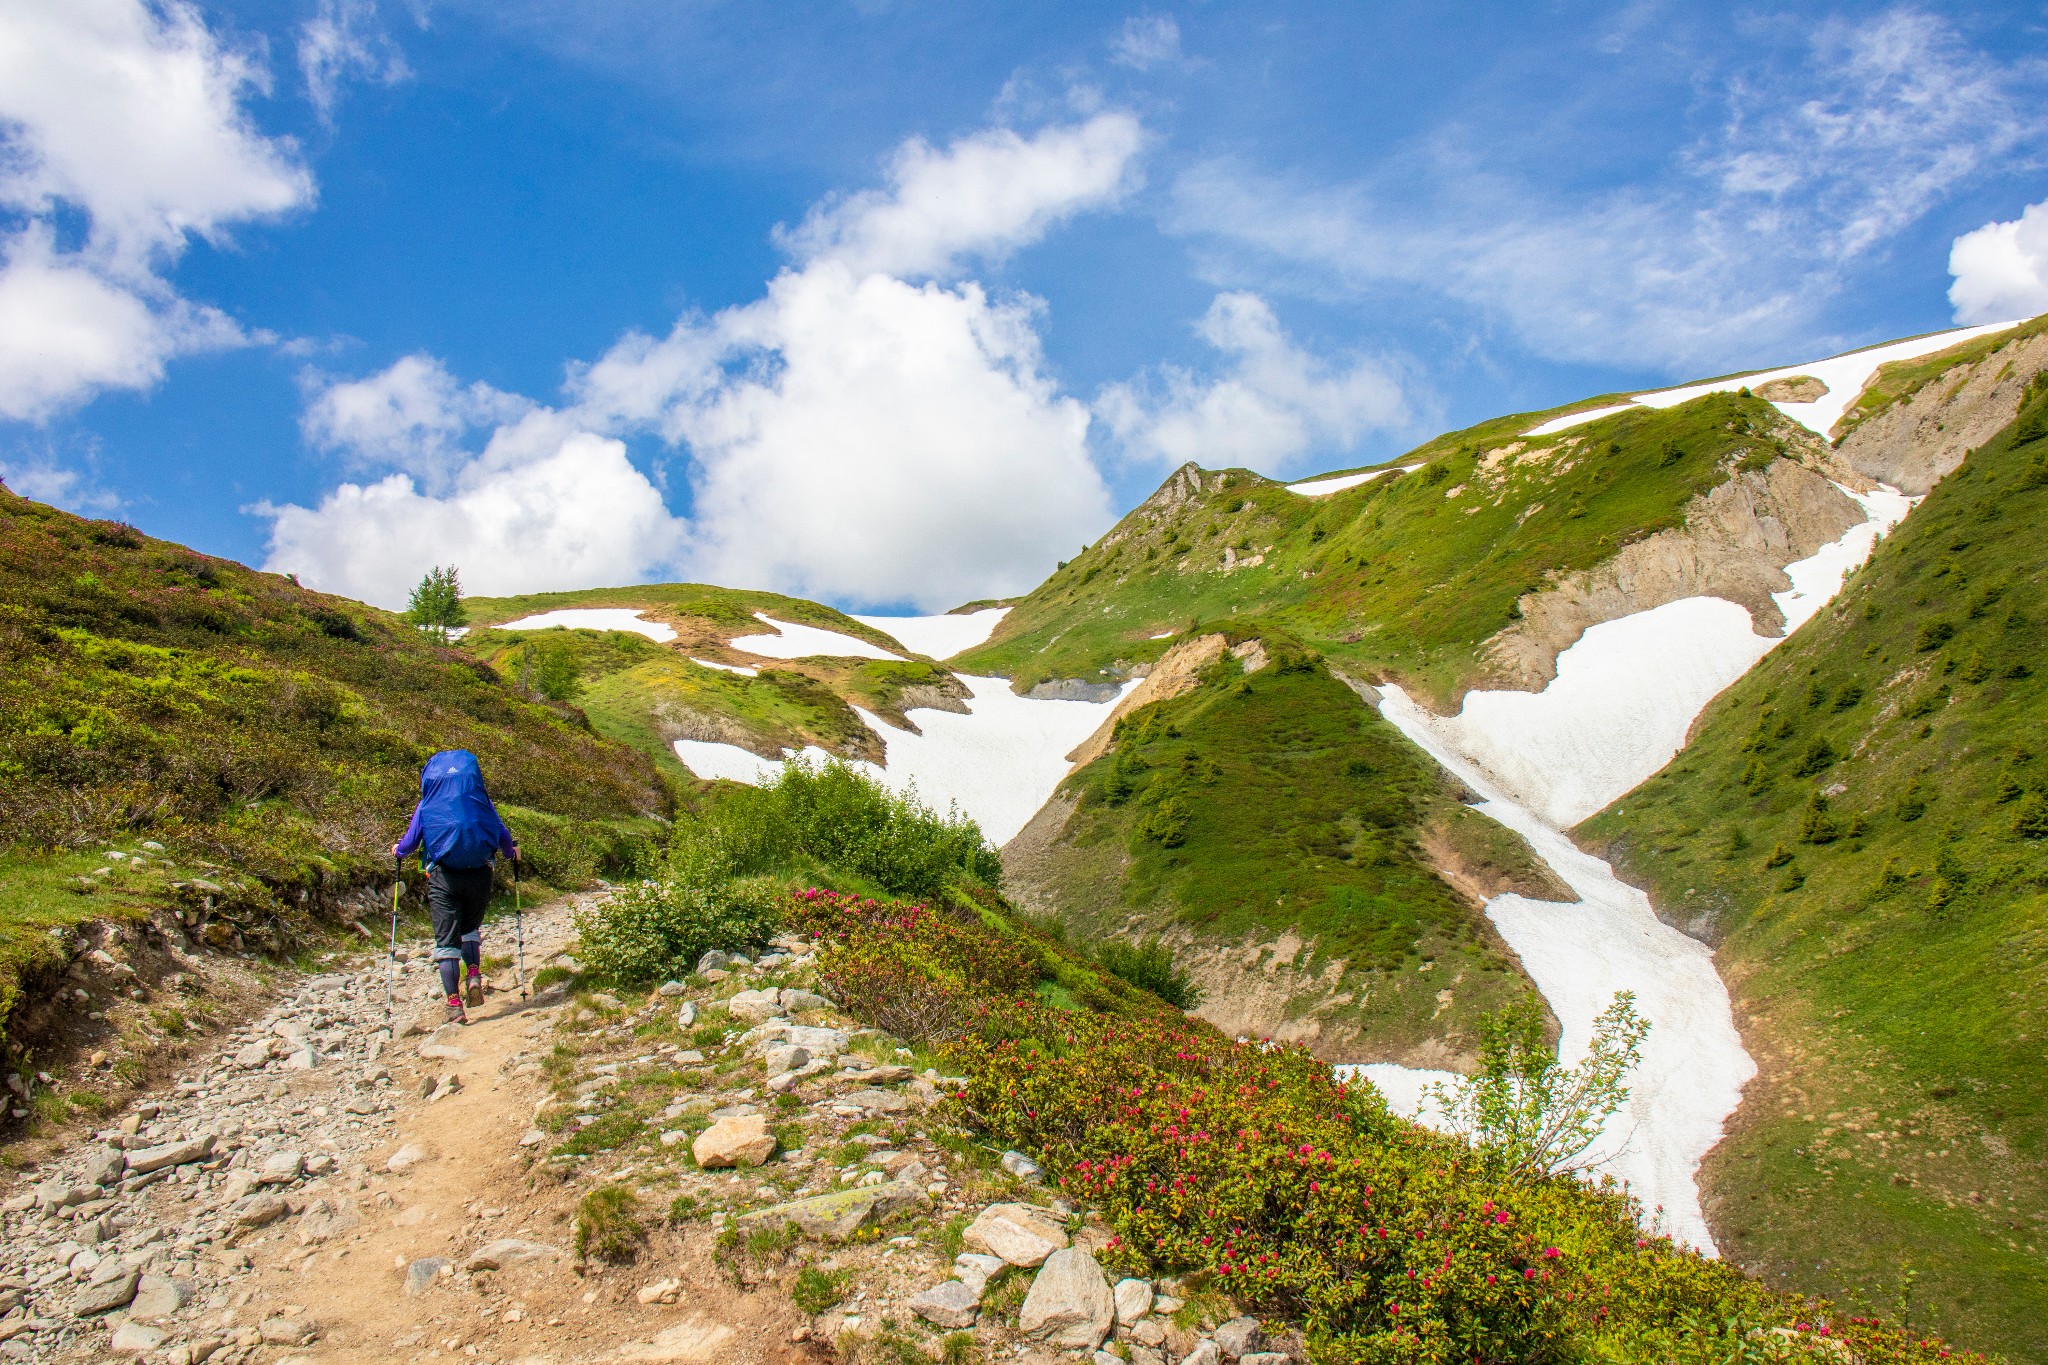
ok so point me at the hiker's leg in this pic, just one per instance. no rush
(444, 904)
(475, 885)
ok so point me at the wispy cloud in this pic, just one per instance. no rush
(1814, 169)
(344, 41)
(1146, 41)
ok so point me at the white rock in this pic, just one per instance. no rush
(1205, 1353)
(1070, 1303)
(743, 1140)
(686, 1015)
(951, 1305)
(135, 1339)
(1133, 1300)
(754, 1005)
(280, 1168)
(1018, 1233)
(405, 1158)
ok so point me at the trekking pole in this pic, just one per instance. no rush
(518, 931)
(391, 967)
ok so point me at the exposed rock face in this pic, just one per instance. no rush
(1176, 673)
(1072, 689)
(1794, 388)
(1735, 544)
(1915, 444)
(949, 696)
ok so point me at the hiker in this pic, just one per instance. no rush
(456, 831)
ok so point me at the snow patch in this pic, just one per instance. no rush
(1580, 956)
(1628, 690)
(1322, 488)
(1403, 1088)
(939, 637)
(1845, 376)
(803, 642)
(744, 672)
(595, 618)
(999, 763)
(1576, 419)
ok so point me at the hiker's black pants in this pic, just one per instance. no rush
(457, 897)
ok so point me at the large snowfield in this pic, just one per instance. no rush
(998, 764)
(1625, 694)
(1580, 956)
(1844, 375)
(793, 641)
(939, 637)
(595, 618)
(1627, 690)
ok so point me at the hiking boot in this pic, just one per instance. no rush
(457, 1014)
(473, 990)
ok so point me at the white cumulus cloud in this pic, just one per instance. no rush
(1273, 404)
(2001, 269)
(862, 432)
(986, 194)
(546, 506)
(412, 416)
(129, 115)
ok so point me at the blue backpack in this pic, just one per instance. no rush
(458, 824)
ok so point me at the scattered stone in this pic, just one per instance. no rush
(951, 1305)
(743, 1140)
(1020, 1234)
(105, 1168)
(253, 1056)
(693, 1341)
(1021, 1166)
(976, 1270)
(1070, 1303)
(661, 1291)
(1263, 1358)
(1205, 1353)
(1133, 1300)
(754, 1006)
(327, 983)
(712, 961)
(159, 1296)
(169, 1154)
(304, 1059)
(105, 1296)
(686, 1016)
(876, 1101)
(262, 1211)
(285, 1332)
(136, 1339)
(785, 1057)
(1149, 1332)
(507, 1252)
(839, 1216)
(405, 1158)
(672, 989)
(1239, 1337)
(421, 1274)
(796, 1001)
(280, 1168)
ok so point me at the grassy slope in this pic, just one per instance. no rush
(1257, 804)
(268, 736)
(1893, 980)
(1401, 577)
(697, 610)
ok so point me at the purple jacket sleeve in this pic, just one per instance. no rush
(413, 838)
(505, 844)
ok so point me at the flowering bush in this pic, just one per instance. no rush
(1249, 1168)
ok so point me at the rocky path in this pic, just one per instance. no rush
(726, 1169)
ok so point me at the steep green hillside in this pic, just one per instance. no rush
(648, 694)
(1404, 576)
(1900, 380)
(1863, 822)
(1270, 803)
(266, 737)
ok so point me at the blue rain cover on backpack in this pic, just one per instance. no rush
(459, 827)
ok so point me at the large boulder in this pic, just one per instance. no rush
(754, 1005)
(839, 1216)
(1070, 1303)
(1018, 1233)
(170, 1154)
(743, 1140)
(1133, 1300)
(105, 1296)
(1239, 1337)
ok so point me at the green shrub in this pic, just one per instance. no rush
(648, 930)
(816, 1290)
(608, 1226)
(1150, 967)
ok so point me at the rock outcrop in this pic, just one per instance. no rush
(1915, 443)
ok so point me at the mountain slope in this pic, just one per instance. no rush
(1860, 824)
(269, 738)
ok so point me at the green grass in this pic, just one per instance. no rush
(1404, 576)
(696, 610)
(1889, 953)
(1276, 801)
(148, 692)
(1901, 379)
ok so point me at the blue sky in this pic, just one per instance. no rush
(899, 302)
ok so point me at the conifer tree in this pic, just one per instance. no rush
(436, 604)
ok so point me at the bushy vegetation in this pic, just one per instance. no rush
(1249, 1170)
(1856, 820)
(1150, 966)
(609, 1225)
(650, 930)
